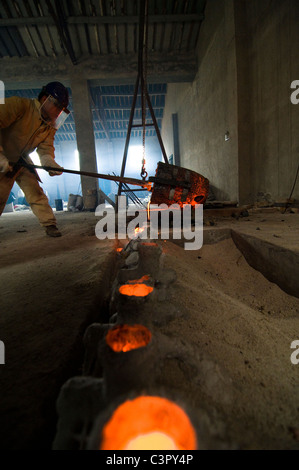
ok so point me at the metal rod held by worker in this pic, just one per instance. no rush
(126, 180)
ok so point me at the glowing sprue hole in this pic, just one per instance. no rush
(148, 423)
(139, 281)
(152, 441)
(139, 230)
(124, 338)
(136, 288)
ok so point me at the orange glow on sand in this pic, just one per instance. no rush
(141, 280)
(148, 423)
(119, 250)
(124, 338)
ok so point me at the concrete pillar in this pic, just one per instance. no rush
(85, 135)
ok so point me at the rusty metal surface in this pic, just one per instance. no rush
(176, 185)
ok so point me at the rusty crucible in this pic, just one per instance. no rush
(176, 185)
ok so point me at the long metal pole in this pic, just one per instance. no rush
(133, 181)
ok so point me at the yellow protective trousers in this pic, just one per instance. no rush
(34, 194)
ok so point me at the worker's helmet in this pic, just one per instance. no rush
(54, 109)
(58, 91)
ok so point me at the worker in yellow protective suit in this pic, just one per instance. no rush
(26, 125)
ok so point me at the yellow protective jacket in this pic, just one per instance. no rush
(22, 130)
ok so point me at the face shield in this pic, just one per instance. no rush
(52, 113)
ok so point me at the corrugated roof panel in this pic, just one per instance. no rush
(193, 36)
(109, 37)
(3, 50)
(54, 41)
(184, 36)
(9, 48)
(102, 40)
(121, 35)
(167, 37)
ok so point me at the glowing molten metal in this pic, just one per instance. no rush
(139, 230)
(141, 280)
(124, 338)
(148, 423)
(150, 441)
(136, 288)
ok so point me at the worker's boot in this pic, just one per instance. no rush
(53, 231)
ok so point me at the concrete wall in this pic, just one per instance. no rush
(274, 52)
(247, 52)
(207, 107)
(176, 92)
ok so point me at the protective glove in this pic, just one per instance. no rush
(49, 161)
(4, 164)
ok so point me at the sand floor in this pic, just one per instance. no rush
(51, 289)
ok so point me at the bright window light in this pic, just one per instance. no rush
(77, 163)
(136, 152)
(134, 161)
(34, 157)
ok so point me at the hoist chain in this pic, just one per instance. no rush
(144, 173)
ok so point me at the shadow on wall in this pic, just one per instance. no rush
(216, 194)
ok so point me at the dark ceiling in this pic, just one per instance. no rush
(98, 28)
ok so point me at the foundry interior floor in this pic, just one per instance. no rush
(51, 289)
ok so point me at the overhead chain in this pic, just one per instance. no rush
(144, 173)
